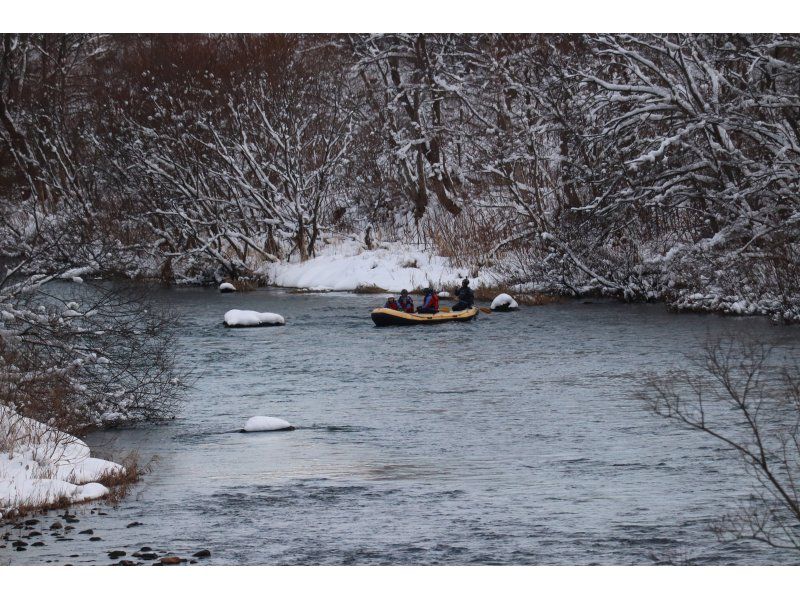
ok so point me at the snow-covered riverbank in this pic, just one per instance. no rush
(41, 466)
(347, 265)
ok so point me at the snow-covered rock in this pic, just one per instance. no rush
(504, 302)
(263, 423)
(238, 318)
(227, 287)
(444, 295)
(43, 465)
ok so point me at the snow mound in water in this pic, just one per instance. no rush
(262, 423)
(226, 287)
(504, 300)
(242, 317)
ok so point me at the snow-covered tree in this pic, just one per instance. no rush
(238, 171)
(100, 357)
(412, 84)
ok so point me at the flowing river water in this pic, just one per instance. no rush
(514, 439)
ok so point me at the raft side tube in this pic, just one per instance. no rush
(391, 317)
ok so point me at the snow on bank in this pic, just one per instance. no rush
(504, 300)
(263, 423)
(77, 274)
(346, 265)
(236, 318)
(41, 466)
(718, 302)
(227, 287)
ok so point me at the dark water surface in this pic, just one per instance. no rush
(515, 439)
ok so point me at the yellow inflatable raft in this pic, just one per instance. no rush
(392, 317)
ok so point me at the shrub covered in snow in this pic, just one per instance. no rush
(85, 356)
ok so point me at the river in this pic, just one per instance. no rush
(514, 439)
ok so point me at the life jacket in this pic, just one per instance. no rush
(392, 305)
(406, 303)
(431, 302)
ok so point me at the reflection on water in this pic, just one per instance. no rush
(510, 440)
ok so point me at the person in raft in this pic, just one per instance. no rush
(430, 305)
(391, 303)
(466, 298)
(406, 302)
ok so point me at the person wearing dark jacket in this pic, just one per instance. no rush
(430, 305)
(466, 298)
(405, 302)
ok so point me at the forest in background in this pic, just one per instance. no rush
(645, 167)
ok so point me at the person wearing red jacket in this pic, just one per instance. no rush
(430, 305)
(392, 304)
(406, 302)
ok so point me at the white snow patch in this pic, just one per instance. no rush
(263, 423)
(76, 274)
(347, 265)
(243, 317)
(42, 465)
(504, 299)
(226, 286)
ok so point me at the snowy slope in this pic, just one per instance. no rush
(41, 465)
(346, 265)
